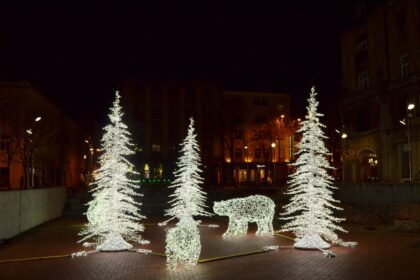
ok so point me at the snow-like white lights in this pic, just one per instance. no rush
(113, 215)
(310, 211)
(183, 245)
(188, 200)
(241, 211)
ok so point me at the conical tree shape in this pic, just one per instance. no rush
(113, 213)
(310, 211)
(188, 199)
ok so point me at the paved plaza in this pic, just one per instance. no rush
(380, 255)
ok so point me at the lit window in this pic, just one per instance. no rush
(146, 171)
(156, 148)
(404, 66)
(363, 80)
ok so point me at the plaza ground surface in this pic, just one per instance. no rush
(380, 255)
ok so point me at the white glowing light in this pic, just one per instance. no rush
(411, 106)
(79, 254)
(113, 215)
(241, 211)
(271, 248)
(309, 214)
(183, 245)
(188, 199)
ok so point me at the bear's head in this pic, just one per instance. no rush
(219, 207)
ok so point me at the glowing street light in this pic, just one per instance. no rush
(29, 131)
(37, 119)
(410, 107)
(273, 145)
(344, 135)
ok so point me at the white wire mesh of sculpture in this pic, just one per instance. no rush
(183, 245)
(188, 199)
(113, 213)
(309, 214)
(241, 211)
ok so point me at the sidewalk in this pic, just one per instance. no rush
(380, 255)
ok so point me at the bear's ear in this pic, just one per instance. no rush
(215, 203)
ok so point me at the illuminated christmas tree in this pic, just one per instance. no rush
(113, 215)
(309, 214)
(188, 199)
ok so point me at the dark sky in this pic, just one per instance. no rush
(76, 55)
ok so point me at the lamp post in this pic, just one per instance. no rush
(30, 132)
(273, 146)
(410, 107)
(246, 162)
(343, 136)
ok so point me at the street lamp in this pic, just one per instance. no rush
(246, 161)
(273, 146)
(29, 131)
(410, 107)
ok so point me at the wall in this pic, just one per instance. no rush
(21, 210)
(375, 194)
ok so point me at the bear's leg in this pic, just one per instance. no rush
(242, 227)
(232, 227)
(170, 260)
(270, 225)
(261, 227)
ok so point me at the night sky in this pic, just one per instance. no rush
(76, 55)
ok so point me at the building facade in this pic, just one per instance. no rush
(381, 78)
(226, 122)
(39, 145)
(258, 137)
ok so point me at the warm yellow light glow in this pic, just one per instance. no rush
(411, 106)
(84, 156)
(298, 119)
(227, 159)
(282, 116)
(246, 147)
(273, 145)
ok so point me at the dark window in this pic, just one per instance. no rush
(363, 120)
(258, 153)
(404, 66)
(363, 80)
(238, 153)
(237, 133)
(264, 102)
(257, 102)
(402, 24)
(237, 119)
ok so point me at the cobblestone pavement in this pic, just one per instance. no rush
(380, 255)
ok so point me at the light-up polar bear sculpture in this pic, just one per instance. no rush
(241, 211)
(183, 245)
